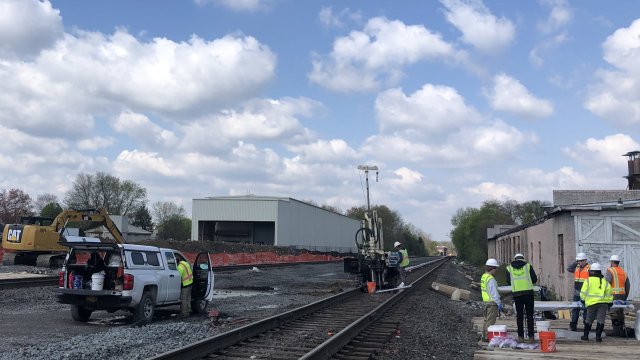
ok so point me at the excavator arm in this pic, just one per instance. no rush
(95, 215)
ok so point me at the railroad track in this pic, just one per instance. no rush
(28, 282)
(342, 324)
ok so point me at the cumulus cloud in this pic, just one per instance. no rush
(96, 143)
(602, 153)
(616, 97)
(560, 15)
(428, 112)
(330, 19)
(143, 130)
(479, 27)
(27, 27)
(92, 74)
(335, 150)
(509, 95)
(363, 60)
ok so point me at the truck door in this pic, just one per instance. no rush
(174, 282)
(202, 277)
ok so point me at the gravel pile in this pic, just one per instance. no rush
(435, 327)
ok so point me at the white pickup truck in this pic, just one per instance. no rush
(111, 277)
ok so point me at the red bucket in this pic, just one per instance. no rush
(547, 341)
(371, 287)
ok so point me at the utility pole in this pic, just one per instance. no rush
(366, 169)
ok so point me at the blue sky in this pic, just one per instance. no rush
(456, 101)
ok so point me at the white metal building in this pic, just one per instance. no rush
(278, 221)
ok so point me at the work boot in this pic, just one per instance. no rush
(532, 339)
(520, 339)
(599, 329)
(587, 328)
(573, 326)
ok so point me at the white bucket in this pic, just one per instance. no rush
(543, 325)
(97, 281)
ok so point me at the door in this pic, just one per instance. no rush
(202, 277)
(174, 282)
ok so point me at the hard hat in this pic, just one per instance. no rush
(396, 244)
(614, 258)
(518, 256)
(581, 256)
(595, 267)
(492, 262)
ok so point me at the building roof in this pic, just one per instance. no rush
(252, 197)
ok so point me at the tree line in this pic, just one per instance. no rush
(469, 234)
(101, 190)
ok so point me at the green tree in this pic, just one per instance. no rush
(469, 234)
(175, 228)
(118, 197)
(14, 204)
(51, 210)
(142, 219)
(43, 200)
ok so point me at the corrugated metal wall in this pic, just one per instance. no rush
(297, 223)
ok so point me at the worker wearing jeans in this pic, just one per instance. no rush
(521, 278)
(580, 270)
(186, 276)
(490, 296)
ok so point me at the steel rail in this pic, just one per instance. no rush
(219, 342)
(28, 282)
(346, 335)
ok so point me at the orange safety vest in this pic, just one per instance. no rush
(618, 279)
(581, 274)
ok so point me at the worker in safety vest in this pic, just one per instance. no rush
(580, 270)
(186, 278)
(404, 262)
(521, 278)
(490, 296)
(596, 296)
(620, 286)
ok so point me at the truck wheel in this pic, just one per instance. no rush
(80, 313)
(199, 306)
(144, 312)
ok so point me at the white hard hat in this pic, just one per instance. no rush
(492, 262)
(518, 256)
(595, 267)
(614, 258)
(396, 244)
(581, 256)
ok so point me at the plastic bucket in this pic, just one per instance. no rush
(97, 281)
(371, 287)
(547, 341)
(543, 325)
(496, 331)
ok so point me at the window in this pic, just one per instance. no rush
(171, 260)
(152, 259)
(136, 258)
(561, 253)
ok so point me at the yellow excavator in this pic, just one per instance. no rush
(33, 243)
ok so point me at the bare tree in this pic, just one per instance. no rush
(119, 197)
(165, 210)
(43, 200)
(14, 204)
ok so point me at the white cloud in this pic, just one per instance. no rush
(239, 5)
(561, 14)
(132, 164)
(27, 27)
(509, 95)
(143, 130)
(336, 151)
(96, 143)
(616, 98)
(330, 19)
(603, 153)
(426, 113)
(478, 25)
(365, 59)
(536, 54)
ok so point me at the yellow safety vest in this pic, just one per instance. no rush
(405, 258)
(185, 273)
(618, 279)
(520, 278)
(484, 281)
(596, 290)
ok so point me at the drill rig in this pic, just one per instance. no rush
(372, 263)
